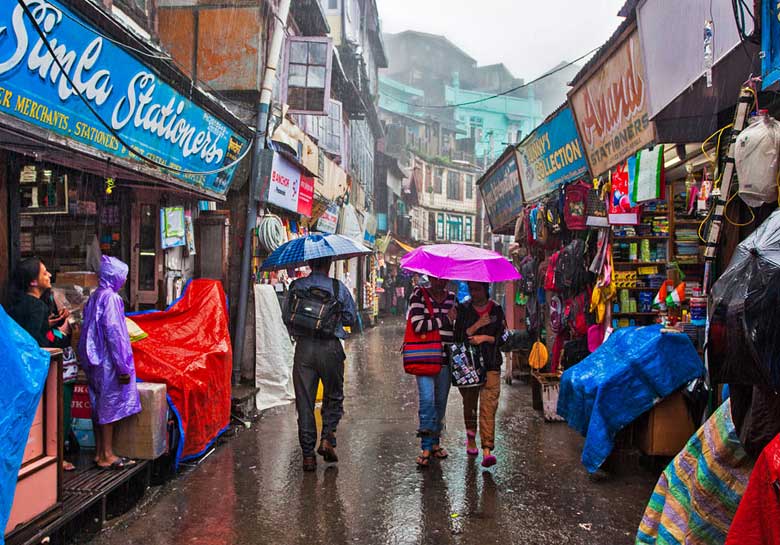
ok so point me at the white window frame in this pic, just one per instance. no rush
(328, 72)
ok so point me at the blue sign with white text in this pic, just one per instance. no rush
(551, 156)
(770, 43)
(148, 115)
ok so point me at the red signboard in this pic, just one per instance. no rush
(306, 196)
(80, 407)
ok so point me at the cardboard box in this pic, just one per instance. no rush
(86, 279)
(144, 436)
(666, 428)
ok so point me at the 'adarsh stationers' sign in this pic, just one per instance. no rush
(611, 108)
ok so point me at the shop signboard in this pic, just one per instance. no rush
(551, 156)
(369, 232)
(611, 108)
(770, 42)
(501, 193)
(135, 107)
(329, 219)
(288, 188)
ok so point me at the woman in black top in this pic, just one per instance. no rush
(30, 308)
(481, 322)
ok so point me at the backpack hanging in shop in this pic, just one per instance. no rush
(528, 270)
(549, 277)
(570, 268)
(575, 211)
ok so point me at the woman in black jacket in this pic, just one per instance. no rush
(481, 322)
(33, 308)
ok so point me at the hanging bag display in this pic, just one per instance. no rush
(422, 352)
(597, 205)
(646, 180)
(620, 210)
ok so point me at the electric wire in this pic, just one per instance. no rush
(502, 93)
(105, 124)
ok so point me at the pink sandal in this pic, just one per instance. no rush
(489, 461)
(471, 451)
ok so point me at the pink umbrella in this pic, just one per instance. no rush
(460, 262)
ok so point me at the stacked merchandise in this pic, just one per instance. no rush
(686, 245)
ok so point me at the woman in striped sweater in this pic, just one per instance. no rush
(433, 390)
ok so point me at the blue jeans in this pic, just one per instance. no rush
(434, 391)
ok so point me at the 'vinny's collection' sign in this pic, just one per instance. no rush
(148, 114)
(611, 108)
(551, 156)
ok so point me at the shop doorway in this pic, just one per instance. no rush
(145, 263)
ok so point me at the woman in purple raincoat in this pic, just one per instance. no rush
(107, 359)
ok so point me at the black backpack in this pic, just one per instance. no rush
(313, 311)
(529, 270)
(570, 268)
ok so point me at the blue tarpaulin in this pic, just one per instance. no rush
(628, 374)
(24, 369)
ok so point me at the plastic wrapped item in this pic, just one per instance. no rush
(144, 435)
(25, 367)
(756, 157)
(743, 345)
(628, 374)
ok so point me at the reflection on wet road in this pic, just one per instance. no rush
(252, 491)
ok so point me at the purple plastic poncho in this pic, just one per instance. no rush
(104, 348)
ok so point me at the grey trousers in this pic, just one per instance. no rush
(315, 360)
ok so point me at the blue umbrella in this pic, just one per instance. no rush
(300, 250)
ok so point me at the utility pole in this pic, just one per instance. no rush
(261, 123)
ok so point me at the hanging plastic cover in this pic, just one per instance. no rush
(635, 368)
(756, 156)
(743, 345)
(24, 369)
(188, 349)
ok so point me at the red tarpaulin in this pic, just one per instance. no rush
(188, 349)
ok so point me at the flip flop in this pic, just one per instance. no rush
(440, 453)
(120, 464)
(423, 461)
(67, 466)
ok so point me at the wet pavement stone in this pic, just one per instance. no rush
(252, 491)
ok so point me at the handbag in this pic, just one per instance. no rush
(422, 352)
(466, 366)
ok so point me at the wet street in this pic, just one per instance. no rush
(252, 490)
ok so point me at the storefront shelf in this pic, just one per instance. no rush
(640, 263)
(640, 237)
(634, 314)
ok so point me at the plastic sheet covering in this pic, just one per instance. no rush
(756, 160)
(743, 346)
(24, 369)
(188, 349)
(634, 369)
(274, 351)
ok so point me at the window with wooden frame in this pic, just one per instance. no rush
(454, 189)
(334, 128)
(469, 186)
(468, 234)
(439, 226)
(437, 180)
(307, 75)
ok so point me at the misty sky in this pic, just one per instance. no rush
(529, 36)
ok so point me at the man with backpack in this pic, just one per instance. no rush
(316, 310)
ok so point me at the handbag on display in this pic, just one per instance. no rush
(422, 352)
(596, 206)
(466, 365)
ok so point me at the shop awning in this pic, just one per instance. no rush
(404, 247)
